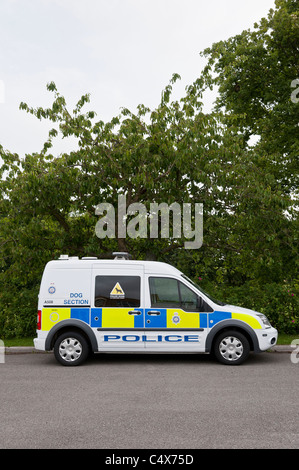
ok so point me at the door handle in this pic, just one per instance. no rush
(134, 312)
(154, 312)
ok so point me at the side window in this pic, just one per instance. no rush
(164, 292)
(189, 300)
(167, 292)
(117, 291)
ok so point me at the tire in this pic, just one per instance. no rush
(71, 349)
(231, 348)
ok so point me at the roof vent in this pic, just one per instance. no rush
(89, 257)
(121, 255)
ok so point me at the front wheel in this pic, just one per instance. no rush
(231, 348)
(71, 349)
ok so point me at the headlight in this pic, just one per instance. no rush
(264, 320)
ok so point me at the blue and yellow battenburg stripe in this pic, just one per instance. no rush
(120, 318)
(95, 317)
(116, 318)
(51, 316)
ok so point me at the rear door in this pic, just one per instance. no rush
(117, 313)
(173, 322)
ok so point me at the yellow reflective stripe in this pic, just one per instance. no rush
(51, 316)
(253, 322)
(117, 318)
(177, 318)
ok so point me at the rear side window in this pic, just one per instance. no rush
(117, 291)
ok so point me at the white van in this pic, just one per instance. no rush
(142, 306)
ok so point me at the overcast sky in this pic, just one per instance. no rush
(122, 52)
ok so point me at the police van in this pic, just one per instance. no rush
(120, 305)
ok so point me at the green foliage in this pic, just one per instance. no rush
(254, 72)
(279, 302)
(174, 153)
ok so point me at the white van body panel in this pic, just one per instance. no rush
(116, 305)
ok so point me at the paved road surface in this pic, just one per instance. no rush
(149, 402)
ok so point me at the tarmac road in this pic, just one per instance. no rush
(149, 402)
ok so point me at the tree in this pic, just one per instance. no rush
(174, 153)
(256, 72)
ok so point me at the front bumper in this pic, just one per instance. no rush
(267, 338)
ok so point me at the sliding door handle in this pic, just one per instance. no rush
(154, 312)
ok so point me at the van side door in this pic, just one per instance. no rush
(174, 321)
(117, 313)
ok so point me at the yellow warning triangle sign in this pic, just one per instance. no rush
(117, 290)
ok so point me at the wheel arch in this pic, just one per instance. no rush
(74, 325)
(236, 325)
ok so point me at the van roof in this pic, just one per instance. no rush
(73, 262)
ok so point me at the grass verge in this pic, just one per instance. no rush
(18, 342)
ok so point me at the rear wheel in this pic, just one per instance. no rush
(71, 348)
(231, 348)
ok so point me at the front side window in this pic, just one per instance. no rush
(164, 292)
(218, 302)
(189, 299)
(167, 292)
(117, 291)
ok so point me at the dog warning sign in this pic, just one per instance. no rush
(117, 292)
